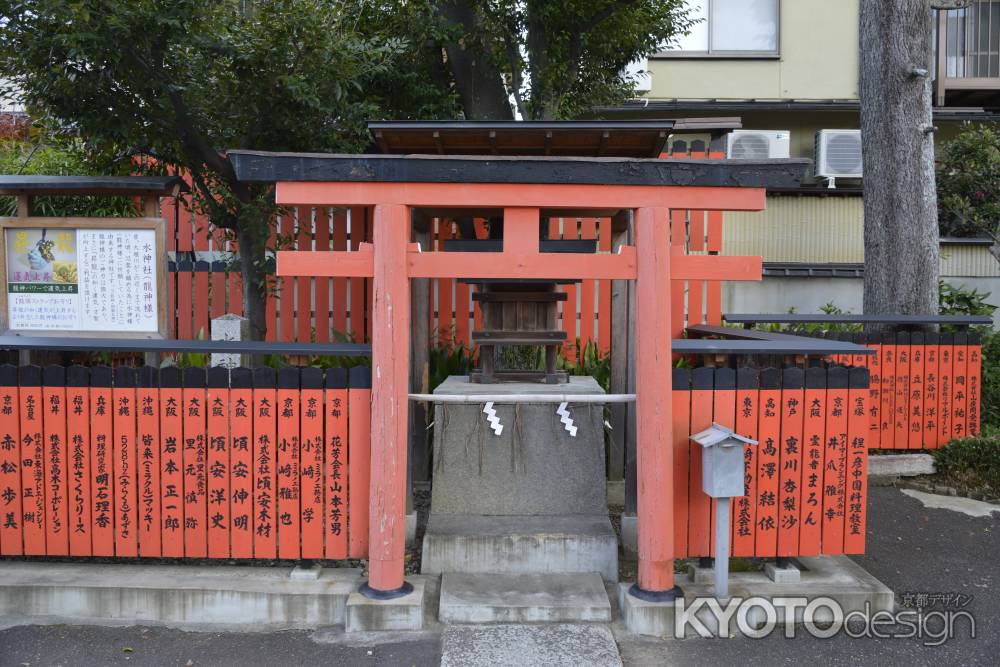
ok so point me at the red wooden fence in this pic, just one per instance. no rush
(807, 479)
(170, 463)
(925, 387)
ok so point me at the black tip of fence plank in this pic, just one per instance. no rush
(241, 378)
(860, 338)
(194, 377)
(770, 378)
(975, 338)
(148, 377)
(917, 338)
(816, 378)
(125, 377)
(218, 267)
(932, 338)
(680, 379)
(902, 338)
(836, 377)
(170, 377)
(946, 339)
(846, 336)
(201, 266)
(336, 378)
(725, 379)
(8, 375)
(288, 378)
(859, 378)
(185, 266)
(747, 378)
(31, 376)
(961, 338)
(703, 378)
(54, 375)
(101, 376)
(793, 377)
(311, 378)
(888, 337)
(360, 377)
(263, 377)
(218, 377)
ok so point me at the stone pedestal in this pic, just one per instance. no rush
(531, 500)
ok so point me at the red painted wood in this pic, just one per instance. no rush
(900, 409)
(857, 472)
(790, 478)
(974, 383)
(604, 291)
(699, 505)
(288, 469)
(745, 507)
(339, 285)
(835, 471)
(56, 486)
(959, 395)
(915, 406)
(79, 475)
(219, 472)
(265, 484)
(11, 515)
(172, 478)
(125, 466)
(931, 398)
(241, 483)
(218, 296)
(358, 289)
(653, 405)
(681, 418)
(588, 231)
(813, 433)
(445, 300)
(946, 389)
(148, 450)
(875, 395)
(102, 470)
(888, 396)
(321, 286)
(390, 370)
(32, 471)
(271, 310)
(768, 473)
(185, 313)
(312, 518)
(195, 457)
(359, 411)
(304, 285)
(678, 288)
(337, 456)
(713, 302)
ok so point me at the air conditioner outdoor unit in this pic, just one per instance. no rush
(757, 144)
(838, 154)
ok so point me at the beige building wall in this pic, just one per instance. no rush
(818, 46)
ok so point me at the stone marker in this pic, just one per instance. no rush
(230, 327)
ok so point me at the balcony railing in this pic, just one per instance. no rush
(967, 43)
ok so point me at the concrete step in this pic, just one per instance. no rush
(523, 598)
(558, 544)
(204, 597)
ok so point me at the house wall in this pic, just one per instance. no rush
(818, 61)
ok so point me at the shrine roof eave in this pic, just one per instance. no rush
(91, 185)
(266, 167)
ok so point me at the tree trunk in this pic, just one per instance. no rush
(900, 197)
(254, 282)
(477, 76)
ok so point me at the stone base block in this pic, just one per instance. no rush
(523, 598)
(411, 528)
(835, 577)
(217, 597)
(404, 613)
(789, 574)
(701, 575)
(520, 545)
(892, 466)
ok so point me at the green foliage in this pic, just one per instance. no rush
(588, 360)
(974, 462)
(964, 301)
(990, 379)
(448, 359)
(21, 157)
(968, 183)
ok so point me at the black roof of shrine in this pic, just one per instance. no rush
(91, 185)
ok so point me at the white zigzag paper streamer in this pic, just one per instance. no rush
(566, 419)
(491, 417)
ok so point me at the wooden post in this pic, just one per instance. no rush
(420, 304)
(620, 233)
(654, 407)
(390, 382)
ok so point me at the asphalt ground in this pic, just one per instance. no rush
(912, 549)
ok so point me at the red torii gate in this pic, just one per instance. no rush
(524, 193)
